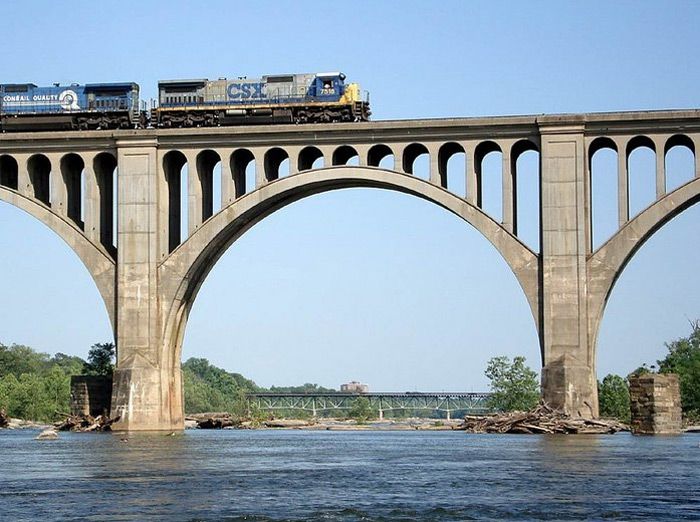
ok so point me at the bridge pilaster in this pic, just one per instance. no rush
(568, 373)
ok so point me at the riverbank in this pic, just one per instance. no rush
(21, 424)
(326, 424)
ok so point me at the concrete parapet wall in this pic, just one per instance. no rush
(90, 395)
(655, 402)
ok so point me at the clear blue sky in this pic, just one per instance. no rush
(364, 284)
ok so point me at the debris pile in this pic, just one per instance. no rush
(4, 419)
(542, 419)
(84, 423)
(214, 421)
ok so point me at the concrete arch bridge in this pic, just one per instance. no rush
(148, 274)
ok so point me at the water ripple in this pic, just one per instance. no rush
(348, 476)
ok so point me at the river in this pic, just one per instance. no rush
(326, 476)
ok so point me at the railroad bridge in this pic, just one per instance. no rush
(149, 274)
(441, 403)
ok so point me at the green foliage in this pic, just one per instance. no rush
(209, 389)
(304, 388)
(69, 364)
(100, 360)
(614, 398)
(643, 370)
(514, 385)
(33, 385)
(684, 359)
(361, 410)
(18, 359)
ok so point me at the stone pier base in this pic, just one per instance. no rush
(90, 395)
(655, 403)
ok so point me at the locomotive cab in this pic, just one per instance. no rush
(328, 86)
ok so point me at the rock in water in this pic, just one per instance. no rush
(4, 419)
(48, 434)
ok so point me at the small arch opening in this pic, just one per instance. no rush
(243, 181)
(73, 172)
(679, 158)
(207, 161)
(603, 177)
(174, 165)
(345, 155)
(641, 173)
(9, 172)
(488, 165)
(525, 170)
(39, 168)
(273, 163)
(105, 166)
(310, 158)
(416, 161)
(381, 156)
(452, 165)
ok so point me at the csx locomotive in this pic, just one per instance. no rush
(292, 98)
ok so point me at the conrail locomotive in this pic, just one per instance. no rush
(292, 98)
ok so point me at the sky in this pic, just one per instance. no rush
(365, 284)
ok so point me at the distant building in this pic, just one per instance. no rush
(354, 387)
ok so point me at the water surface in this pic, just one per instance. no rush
(326, 476)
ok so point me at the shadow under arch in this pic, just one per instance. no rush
(605, 265)
(97, 260)
(183, 272)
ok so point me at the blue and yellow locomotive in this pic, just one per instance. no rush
(24, 106)
(287, 98)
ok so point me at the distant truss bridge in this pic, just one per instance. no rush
(438, 404)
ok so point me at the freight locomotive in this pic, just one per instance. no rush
(24, 106)
(292, 98)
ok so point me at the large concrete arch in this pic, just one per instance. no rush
(184, 271)
(99, 263)
(607, 263)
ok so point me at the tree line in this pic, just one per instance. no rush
(36, 385)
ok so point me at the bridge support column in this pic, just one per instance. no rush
(147, 385)
(568, 373)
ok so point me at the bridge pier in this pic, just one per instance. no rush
(147, 384)
(568, 372)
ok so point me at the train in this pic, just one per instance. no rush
(272, 99)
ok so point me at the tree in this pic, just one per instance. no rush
(684, 359)
(100, 360)
(360, 410)
(209, 389)
(18, 359)
(514, 386)
(304, 388)
(614, 398)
